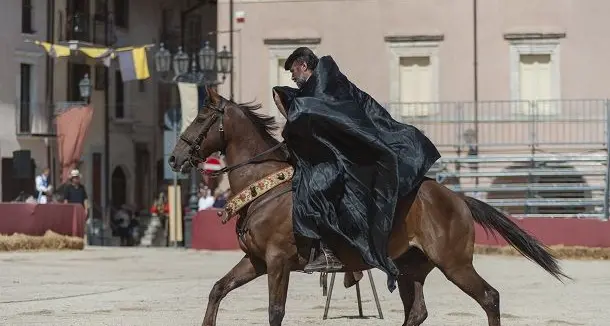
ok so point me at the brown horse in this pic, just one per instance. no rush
(434, 227)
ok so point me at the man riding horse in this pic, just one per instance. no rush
(352, 162)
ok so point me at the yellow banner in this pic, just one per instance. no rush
(97, 53)
(54, 50)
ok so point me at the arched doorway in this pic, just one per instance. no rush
(119, 187)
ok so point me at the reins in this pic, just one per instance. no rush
(194, 159)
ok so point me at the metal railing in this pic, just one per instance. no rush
(75, 26)
(529, 158)
(33, 119)
(38, 119)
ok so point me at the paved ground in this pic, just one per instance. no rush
(170, 287)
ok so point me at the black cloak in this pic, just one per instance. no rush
(352, 162)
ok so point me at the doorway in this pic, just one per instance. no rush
(119, 187)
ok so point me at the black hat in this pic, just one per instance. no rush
(303, 53)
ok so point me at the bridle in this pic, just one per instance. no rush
(194, 159)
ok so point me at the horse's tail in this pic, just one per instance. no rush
(492, 219)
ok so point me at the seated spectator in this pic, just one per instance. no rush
(221, 198)
(206, 200)
(43, 187)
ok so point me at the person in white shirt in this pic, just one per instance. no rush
(43, 187)
(206, 200)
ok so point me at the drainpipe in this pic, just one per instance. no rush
(476, 79)
(50, 87)
(232, 49)
(106, 212)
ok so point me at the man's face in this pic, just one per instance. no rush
(76, 180)
(299, 72)
(45, 172)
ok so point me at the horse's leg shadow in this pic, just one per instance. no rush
(246, 270)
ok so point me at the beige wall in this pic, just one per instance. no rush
(353, 33)
(13, 52)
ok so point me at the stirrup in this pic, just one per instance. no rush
(325, 262)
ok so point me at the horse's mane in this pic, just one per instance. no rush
(265, 124)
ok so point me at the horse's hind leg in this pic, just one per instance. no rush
(245, 271)
(453, 256)
(414, 267)
(469, 281)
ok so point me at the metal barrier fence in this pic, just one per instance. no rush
(529, 158)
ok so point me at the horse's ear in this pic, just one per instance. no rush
(212, 94)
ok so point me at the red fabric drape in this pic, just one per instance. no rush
(33, 219)
(72, 129)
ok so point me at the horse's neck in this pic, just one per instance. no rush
(244, 176)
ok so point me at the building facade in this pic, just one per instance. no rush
(418, 58)
(35, 86)
(22, 89)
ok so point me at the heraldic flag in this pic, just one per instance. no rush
(133, 64)
(133, 61)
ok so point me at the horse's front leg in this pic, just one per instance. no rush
(278, 271)
(245, 271)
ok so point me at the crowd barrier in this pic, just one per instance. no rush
(35, 220)
(210, 234)
(592, 233)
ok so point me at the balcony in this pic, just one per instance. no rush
(76, 26)
(34, 120)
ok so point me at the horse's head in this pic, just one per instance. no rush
(207, 134)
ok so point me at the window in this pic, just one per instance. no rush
(27, 17)
(415, 86)
(121, 13)
(25, 98)
(78, 26)
(414, 78)
(277, 75)
(119, 96)
(284, 77)
(100, 11)
(193, 33)
(535, 78)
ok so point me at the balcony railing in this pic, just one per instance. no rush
(76, 26)
(528, 158)
(34, 119)
(510, 125)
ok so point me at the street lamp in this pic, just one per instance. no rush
(206, 57)
(181, 62)
(84, 87)
(163, 59)
(204, 65)
(224, 62)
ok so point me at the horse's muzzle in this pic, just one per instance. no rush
(184, 167)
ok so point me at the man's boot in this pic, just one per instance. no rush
(325, 262)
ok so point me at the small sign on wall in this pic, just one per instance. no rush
(240, 17)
